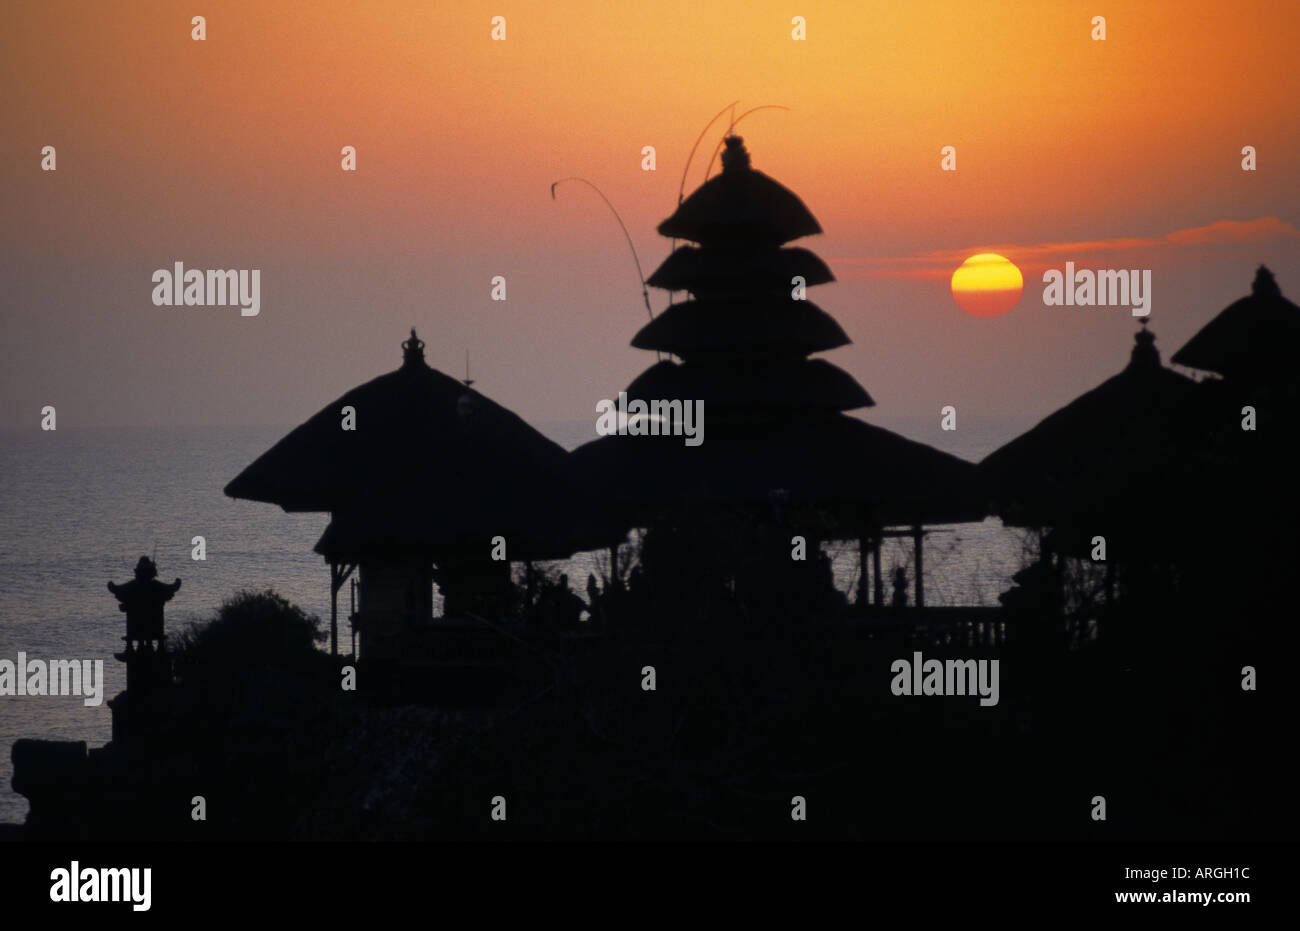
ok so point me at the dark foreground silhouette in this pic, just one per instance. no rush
(719, 687)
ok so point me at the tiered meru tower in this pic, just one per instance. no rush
(776, 429)
(745, 335)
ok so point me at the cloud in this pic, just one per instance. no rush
(1224, 231)
(942, 262)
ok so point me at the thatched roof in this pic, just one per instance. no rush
(706, 271)
(1128, 450)
(740, 206)
(861, 473)
(1255, 338)
(419, 517)
(778, 325)
(413, 421)
(788, 384)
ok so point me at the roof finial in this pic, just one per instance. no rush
(465, 404)
(1265, 285)
(413, 350)
(735, 157)
(1145, 354)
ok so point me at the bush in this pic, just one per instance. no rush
(257, 629)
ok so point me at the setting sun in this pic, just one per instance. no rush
(987, 285)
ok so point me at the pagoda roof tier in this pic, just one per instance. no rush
(862, 474)
(777, 325)
(706, 270)
(740, 206)
(779, 384)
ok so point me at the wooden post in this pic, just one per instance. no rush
(334, 609)
(916, 547)
(863, 581)
(875, 571)
(338, 575)
(352, 616)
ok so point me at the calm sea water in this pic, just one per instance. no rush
(79, 506)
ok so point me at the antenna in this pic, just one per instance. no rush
(769, 106)
(681, 188)
(468, 381)
(645, 295)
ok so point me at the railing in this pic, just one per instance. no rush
(940, 626)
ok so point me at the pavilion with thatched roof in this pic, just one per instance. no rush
(776, 421)
(430, 475)
(1118, 461)
(1189, 494)
(1121, 485)
(1252, 345)
(1253, 342)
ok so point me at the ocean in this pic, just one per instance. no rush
(78, 507)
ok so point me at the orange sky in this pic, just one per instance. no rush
(226, 153)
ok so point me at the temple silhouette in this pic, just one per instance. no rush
(434, 472)
(720, 672)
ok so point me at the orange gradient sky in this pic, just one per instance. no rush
(225, 153)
